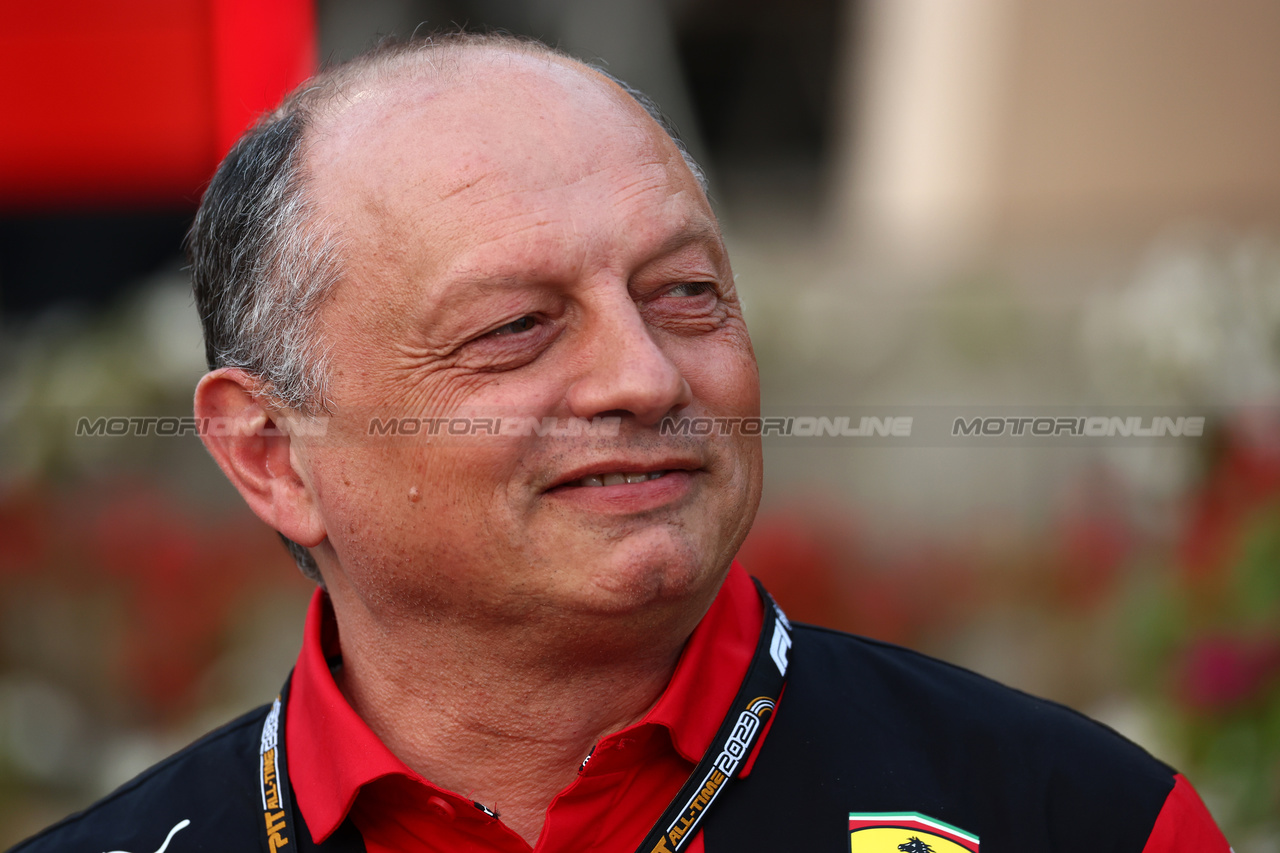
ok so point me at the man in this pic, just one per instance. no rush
(532, 636)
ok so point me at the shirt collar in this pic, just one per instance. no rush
(332, 754)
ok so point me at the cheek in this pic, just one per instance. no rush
(352, 492)
(460, 482)
(724, 377)
(385, 507)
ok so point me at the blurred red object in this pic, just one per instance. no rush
(1221, 673)
(26, 533)
(182, 577)
(136, 101)
(1093, 550)
(1244, 478)
(796, 559)
(816, 565)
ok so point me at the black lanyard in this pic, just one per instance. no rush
(273, 779)
(751, 708)
(737, 736)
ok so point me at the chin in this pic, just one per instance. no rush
(645, 575)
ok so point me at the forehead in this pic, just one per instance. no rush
(487, 125)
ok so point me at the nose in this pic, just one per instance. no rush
(626, 370)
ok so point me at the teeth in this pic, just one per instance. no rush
(618, 479)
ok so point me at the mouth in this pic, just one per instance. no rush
(612, 474)
(620, 488)
(617, 479)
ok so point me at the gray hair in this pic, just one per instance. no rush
(263, 259)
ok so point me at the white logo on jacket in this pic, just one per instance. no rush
(182, 824)
(779, 647)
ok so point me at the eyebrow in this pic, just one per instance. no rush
(702, 230)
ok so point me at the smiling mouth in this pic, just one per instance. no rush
(618, 479)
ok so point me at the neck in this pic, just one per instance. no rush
(504, 714)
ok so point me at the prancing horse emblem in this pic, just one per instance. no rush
(915, 845)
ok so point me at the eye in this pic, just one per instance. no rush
(691, 288)
(515, 327)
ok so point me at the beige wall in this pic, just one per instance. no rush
(1037, 120)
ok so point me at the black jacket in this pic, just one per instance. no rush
(862, 726)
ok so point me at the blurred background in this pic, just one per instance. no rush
(990, 207)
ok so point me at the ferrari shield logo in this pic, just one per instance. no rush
(906, 832)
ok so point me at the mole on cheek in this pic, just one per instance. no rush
(414, 494)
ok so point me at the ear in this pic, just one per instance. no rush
(254, 447)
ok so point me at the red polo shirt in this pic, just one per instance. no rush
(338, 766)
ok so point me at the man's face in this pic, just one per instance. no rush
(527, 245)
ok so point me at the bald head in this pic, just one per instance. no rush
(449, 65)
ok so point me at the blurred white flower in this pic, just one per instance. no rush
(1199, 321)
